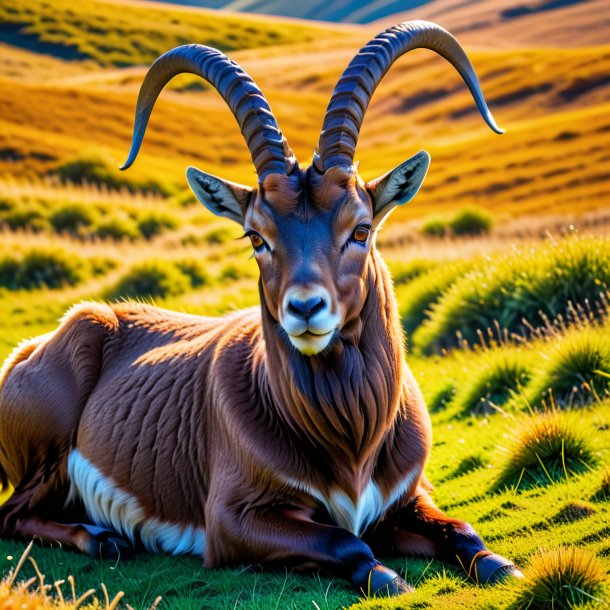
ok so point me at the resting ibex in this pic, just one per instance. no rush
(290, 435)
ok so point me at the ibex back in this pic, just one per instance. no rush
(290, 435)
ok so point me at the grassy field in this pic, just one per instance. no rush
(500, 265)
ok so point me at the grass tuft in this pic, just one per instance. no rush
(417, 297)
(41, 267)
(574, 511)
(548, 447)
(561, 579)
(573, 373)
(469, 464)
(518, 292)
(504, 372)
(151, 279)
(441, 397)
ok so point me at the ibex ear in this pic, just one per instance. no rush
(221, 197)
(397, 186)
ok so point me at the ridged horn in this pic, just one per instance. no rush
(353, 92)
(268, 147)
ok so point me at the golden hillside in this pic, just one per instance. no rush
(553, 102)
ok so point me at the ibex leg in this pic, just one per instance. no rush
(289, 537)
(420, 528)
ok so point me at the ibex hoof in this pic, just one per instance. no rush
(383, 582)
(106, 544)
(114, 549)
(492, 569)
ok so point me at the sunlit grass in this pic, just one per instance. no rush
(562, 579)
(548, 447)
(575, 371)
(534, 284)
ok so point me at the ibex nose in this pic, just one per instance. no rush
(307, 308)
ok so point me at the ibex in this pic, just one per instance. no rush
(287, 435)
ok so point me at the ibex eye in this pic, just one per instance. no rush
(361, 234)
(257, 241)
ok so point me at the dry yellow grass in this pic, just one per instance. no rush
(554, 105)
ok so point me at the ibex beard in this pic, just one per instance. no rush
(290, 435)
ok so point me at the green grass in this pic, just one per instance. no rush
(568, 506)
(535, 285)
(502, 375)
(575, 371)
(548, 447)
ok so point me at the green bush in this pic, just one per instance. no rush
(403, 273)
(417, 297)
(502, 374)
(195, 271)
(577, 370)
(218, 236)
(41, 267)
(117, 228)
(154, 223)
(535, 285)
(95, 168)
(27, 215)
(155, 278)
(471, 221)
(71, 218)
(435, 226)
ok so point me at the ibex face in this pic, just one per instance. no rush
(312, 231)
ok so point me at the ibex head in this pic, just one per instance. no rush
(312, 230)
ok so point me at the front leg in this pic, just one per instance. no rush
(420, 528)
(288, 536)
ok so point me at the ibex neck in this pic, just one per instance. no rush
(342, 402)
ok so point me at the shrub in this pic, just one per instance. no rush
(571, 375)
(534, 285)
(548, 447)
(435, 226)
(155, 223)
(95, 168)
(6, 204)
(194, 271)
(471, 221)
(233, 273)
(561, 579)
(71, 218)
(28, 215)
(48, 267)
(117, 228)
(403, 273)
(502, 374)
(218, 236)
(417, 297)
(152, 279)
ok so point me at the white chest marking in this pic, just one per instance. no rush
(109, 506)
(370, 505)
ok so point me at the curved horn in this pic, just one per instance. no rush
(354, 90)
(268, 147)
